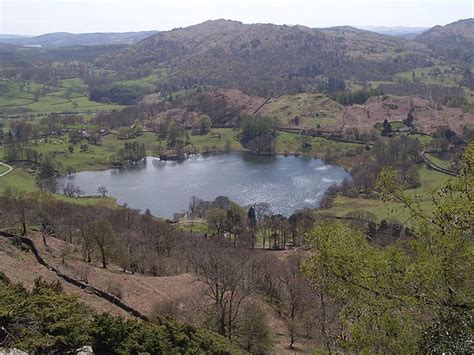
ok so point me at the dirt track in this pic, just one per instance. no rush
(8, 167)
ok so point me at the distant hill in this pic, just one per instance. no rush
(401, 31)
(10, 37)
(65, 39)
(268, 59)
(18, 56)
(453, 42)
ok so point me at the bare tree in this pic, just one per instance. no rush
(228, 282)
(262, 209)
(18, 206)
(294, 288)
(80, 220)
(194, 203)
(71, 190)
(103, 234)
(102, 190)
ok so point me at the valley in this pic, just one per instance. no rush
(239, 188)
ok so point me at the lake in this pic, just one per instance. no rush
(287, 183)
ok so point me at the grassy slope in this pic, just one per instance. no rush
(24, 179)
(438, 161)
(428, 75)
(430, 180)
(288, 143)
(3, 169)
(22, 95)
(20, 178)
(312, 109)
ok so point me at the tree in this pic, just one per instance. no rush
(123, 257)
(261, 209)
(217, 218)
(102, 190)
(70, 170)
(18, 206)
(386, 128)
(47, 320)
(71, 190)
(175, 136)
(410, 118)
(396, 299)
(258, 134)
(44, 320)
(103, 234)
(47, 168)
(75, 136)
(253, 333)
(252, 222)
(194, 204)
(293, 290)
(228, 282)
(204, 124)
(236, 220)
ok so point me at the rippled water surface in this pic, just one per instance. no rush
(286, 183)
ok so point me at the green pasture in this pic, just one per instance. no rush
(430, 180)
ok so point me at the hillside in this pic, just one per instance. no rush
(144, 293)
(65, 39)
(427, 117)
(268, 59)
(400, 31)
(305, 111)
(453, 42)
(15, 55)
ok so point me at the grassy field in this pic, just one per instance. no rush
(288, 143)
(198, 225)
(23, 178)
(3, 169)
(312, 110)
(97, 157)
(20, 178)
(429, 179)
(441, 75)
(436, 75)
(439, 161)
(147, 82)
(70, 95)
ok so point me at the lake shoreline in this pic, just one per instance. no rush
(287, 182)
(205, 155)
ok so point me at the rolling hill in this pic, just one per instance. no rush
(268, 59)
(400, 31)
(65, 39)
(453, 42)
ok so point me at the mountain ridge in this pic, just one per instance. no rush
(67, 39)
(278, 57)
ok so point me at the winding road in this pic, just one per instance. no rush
(435, 167)
(8, 167)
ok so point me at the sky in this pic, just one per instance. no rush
(33, 17)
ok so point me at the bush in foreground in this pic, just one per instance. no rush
(48, 320)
